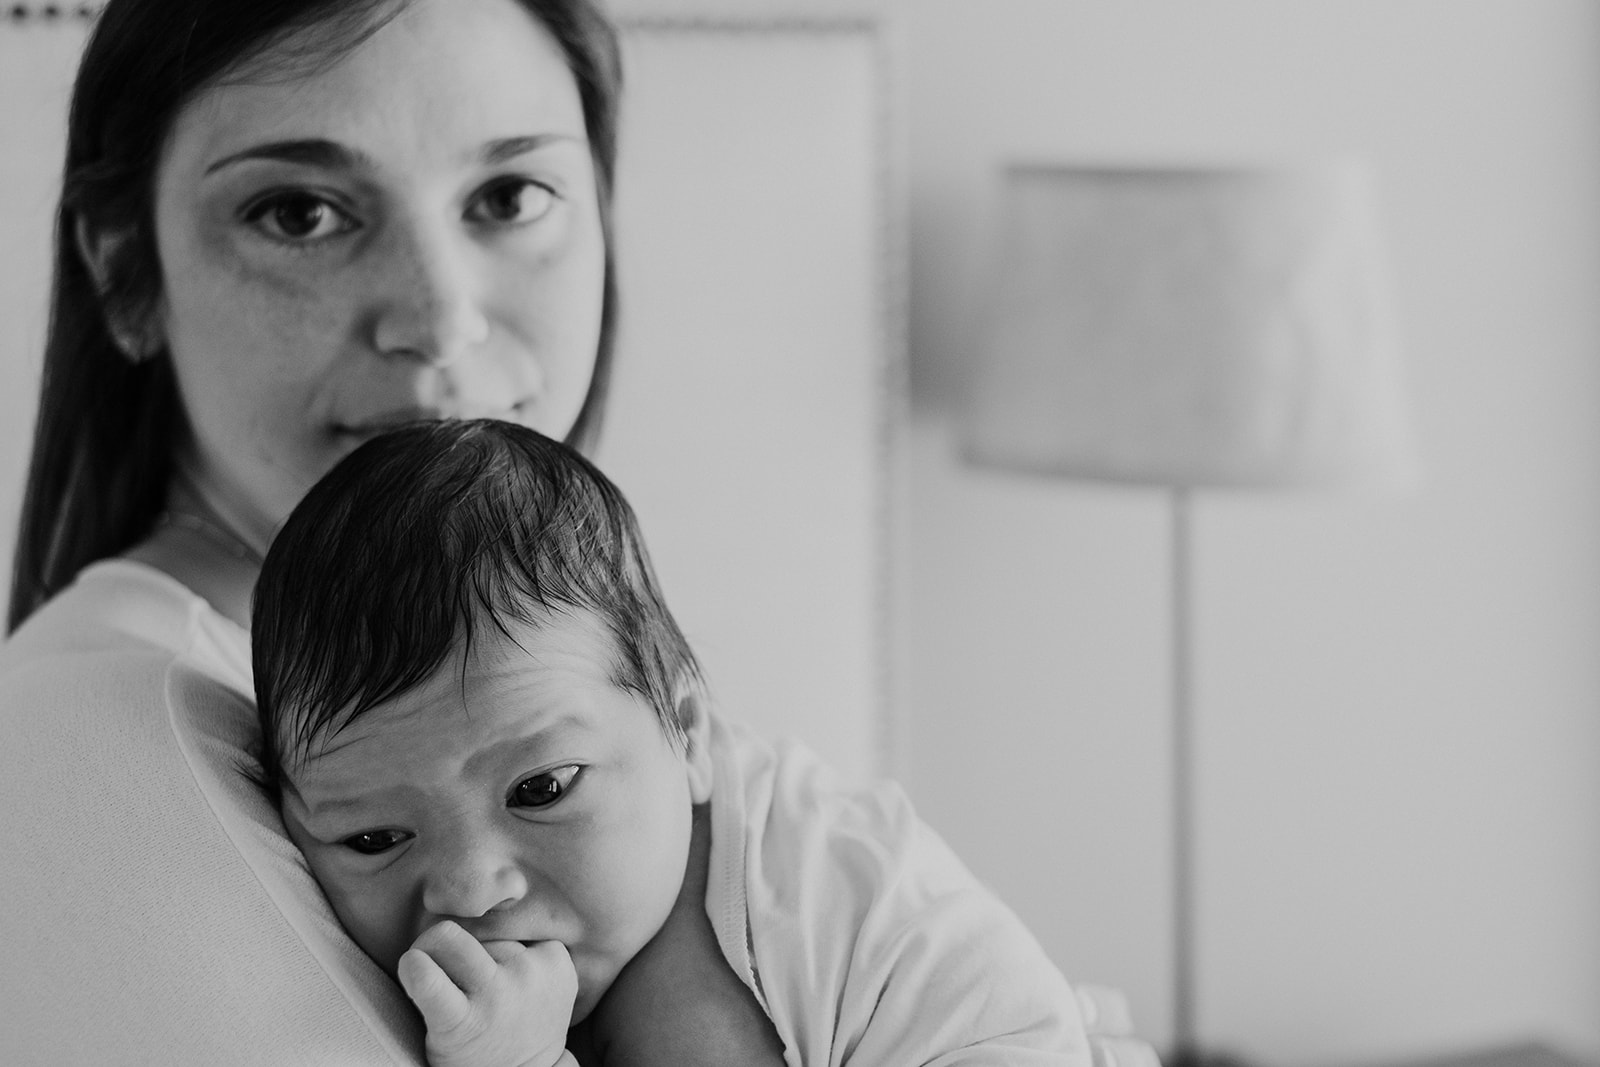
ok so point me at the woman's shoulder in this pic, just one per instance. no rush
(126, 746)
(129, 653)
(120, 614)
(784, 790)
(865, 930)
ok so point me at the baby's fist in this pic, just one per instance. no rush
(490, 1004)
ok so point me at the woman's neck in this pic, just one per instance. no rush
(195, 542)
(221, 580)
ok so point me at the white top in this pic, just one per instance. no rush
(151, 908)
(152, 911)
(862, 935)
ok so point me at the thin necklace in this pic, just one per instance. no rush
(217, 535)
(205, 522)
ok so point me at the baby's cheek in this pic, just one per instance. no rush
(383, 926)
(629, 899)
(665, 879)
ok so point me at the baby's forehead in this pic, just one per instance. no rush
(504, 679)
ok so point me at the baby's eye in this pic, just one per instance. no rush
(543, 790)
(298, 217)
(514, 200)
(372, 842)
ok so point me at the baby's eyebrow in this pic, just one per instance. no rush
(334, 806)
(514, 748)
(511, 748)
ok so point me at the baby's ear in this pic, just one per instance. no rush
(695, 718)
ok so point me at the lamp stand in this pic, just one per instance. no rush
(1186, 1050)
(1185, 1047)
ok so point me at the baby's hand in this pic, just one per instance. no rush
(490, 1004)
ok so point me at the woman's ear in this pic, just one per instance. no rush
(694, 717)
(136, 334)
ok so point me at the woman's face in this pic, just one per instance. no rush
(409, 231)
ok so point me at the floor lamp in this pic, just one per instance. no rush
(1189, 328)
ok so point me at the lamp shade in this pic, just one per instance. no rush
(1190, 326)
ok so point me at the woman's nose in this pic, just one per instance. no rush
(472, 879)
(429, 304)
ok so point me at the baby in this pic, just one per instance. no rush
(495, 749)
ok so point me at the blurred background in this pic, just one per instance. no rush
(1397, 697)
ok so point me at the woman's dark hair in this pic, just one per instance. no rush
(107, 425)
(428, 538)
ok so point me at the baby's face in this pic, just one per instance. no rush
(529, 799)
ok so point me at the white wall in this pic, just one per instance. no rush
(35, 81)
(1399, 697)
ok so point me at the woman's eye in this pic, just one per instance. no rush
(299, 217)
(512, 201)
(373, 842)
(545, 789)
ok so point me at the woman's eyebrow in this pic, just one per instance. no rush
(508, 148)
(330, 155)
(313, 152)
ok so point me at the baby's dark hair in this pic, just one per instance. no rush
(422, 540)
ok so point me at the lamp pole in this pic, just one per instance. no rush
(1185, 1045)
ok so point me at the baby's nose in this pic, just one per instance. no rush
(477, 881)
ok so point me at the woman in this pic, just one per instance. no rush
(285, 226)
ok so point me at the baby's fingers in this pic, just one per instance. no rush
(503, 951)
(459, 955)
(545, 969)
(442, 1003)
